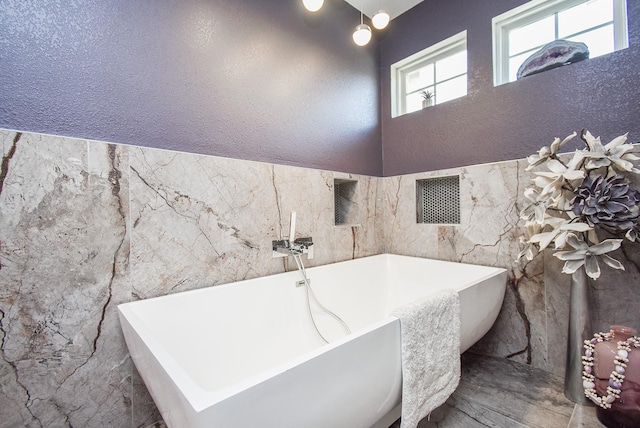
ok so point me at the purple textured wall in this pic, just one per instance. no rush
(259, 80)
(509, 121)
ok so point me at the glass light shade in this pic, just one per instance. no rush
(380, 19)
(362, 34)
(313, 5)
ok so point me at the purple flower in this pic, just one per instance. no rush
(607, 203)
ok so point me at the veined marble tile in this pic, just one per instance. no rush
(64, 254)
(365, 238)
(200, 221)
(487, 210)
(402, 234)
(527, 289)
(197, 221)
(490, 202)
(87, 225)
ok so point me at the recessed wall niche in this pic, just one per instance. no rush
(438, 200)
(345, 193)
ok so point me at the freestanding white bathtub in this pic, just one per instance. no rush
(246, 354)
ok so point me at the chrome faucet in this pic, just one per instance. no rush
(284, 247)
(287, 247)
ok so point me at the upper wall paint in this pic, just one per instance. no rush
(258, 80)
(509, 121)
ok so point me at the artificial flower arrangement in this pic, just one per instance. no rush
(572, 201)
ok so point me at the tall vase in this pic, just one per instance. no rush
(579, 331)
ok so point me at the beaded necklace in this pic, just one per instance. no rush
(617, 375)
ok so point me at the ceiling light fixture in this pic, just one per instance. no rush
(313, 5)
(362, 33)
(381, 19)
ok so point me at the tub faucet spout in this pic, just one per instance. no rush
(284, 247)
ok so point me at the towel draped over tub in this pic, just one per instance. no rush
(430, 330)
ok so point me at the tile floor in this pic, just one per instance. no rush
(496, 392)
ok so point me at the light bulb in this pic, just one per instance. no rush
(313, 5)
(362, 34)
(380, 19)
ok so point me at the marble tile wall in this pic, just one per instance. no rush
(86, 225)
(532, 324)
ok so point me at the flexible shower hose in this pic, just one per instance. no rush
(309, 291)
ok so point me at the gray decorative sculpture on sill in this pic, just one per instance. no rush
(552, 55)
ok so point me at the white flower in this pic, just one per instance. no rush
(585, 255)
(530, 249)
(546, 152)
(562, 228)
(536, 209)
(616, 153)
(551, 182)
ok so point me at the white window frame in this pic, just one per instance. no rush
(536, 10)
(400, 69)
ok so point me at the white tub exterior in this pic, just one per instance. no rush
(246, 354)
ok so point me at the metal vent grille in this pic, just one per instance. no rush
(438, 200)
(338, 212)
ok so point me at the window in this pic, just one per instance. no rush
(600, 24)
(440, 70)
